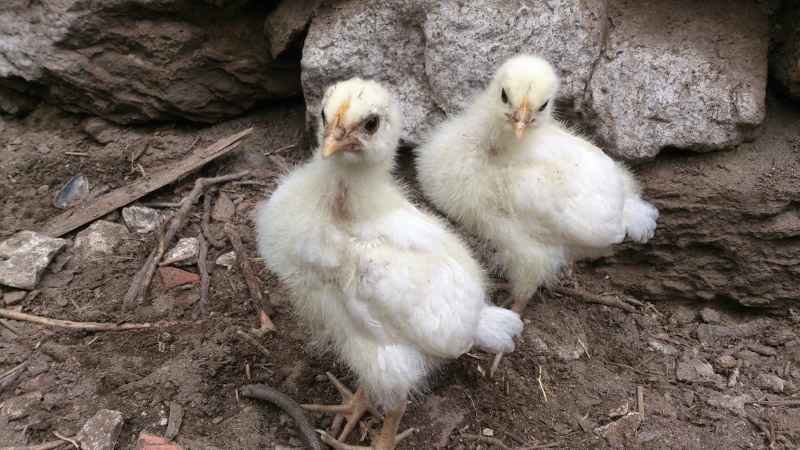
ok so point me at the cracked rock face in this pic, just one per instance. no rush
(696, 81)
(144, 60)
(695, 78)
(435, 56)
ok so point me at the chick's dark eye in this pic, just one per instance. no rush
(503, 96)
(372, 124)
(541, 108)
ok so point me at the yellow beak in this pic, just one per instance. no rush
(521, 118)
(335, 137)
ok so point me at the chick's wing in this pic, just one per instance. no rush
(408, 290)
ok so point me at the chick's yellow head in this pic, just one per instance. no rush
(522, 92)
(360, 122)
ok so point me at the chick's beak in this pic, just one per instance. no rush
(335, 137)
(521, 118)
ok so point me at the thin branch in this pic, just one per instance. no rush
(486, 440)
(289, 406)
(12, 375)
(262, 308)
(204, 223)
(202, 267)
(592, 298)
(777, 402)
(89, 326)
(47, 446)
(71, 441)
(178, 221)
(249, 339)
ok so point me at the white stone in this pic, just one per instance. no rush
(183, 253)
(227, 260)
(24, 256)
(139, 219)
(100, 238)
(734, 404)
(101, 431)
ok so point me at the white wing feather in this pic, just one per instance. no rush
(568, 194)
(409, 290)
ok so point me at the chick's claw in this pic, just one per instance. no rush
(387, 439)
(353, 406)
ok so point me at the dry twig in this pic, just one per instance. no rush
(179, 219)
(249, 339)
(204, 223)
(12, 375)
(289, 406)
(262, 308)
(202, 267)
(640, 401)
(777, 402)
(592, 298)
(71, 441)
(47, 446)
(486, 440)
(88, 326)
(541, 385)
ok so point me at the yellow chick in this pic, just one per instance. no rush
(388, 287)
(539, 195)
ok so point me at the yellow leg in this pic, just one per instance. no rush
(387, 439)
(352, 408)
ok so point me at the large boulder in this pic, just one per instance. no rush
(680, 73)
(729, 228)
(434, 56)
(139, 60)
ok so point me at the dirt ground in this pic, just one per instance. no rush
(702, 368)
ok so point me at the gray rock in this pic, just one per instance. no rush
(286, 22)
(100, 238)
(769, 382)
(434, 56)
(709, 315)
(16, 408)
(75, 191)
(227, 260)
(13, 297)
(784, 59)
(662, 347)
(101, 130)
(139, 219)
(143, 60)
(618, 431)
(734, 404)
(695, 370)
(101, 431)
(24, 256)
(223, 208)
(183, 253)
(695, 79)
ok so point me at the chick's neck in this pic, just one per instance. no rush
(353, 191)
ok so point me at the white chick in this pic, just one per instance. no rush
(539, 195)
(388, 287)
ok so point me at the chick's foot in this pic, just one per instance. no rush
(387, 439)
(354, 405)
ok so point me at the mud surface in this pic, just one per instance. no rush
(572, 383)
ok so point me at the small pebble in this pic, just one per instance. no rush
(709, 315)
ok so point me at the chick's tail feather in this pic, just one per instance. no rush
(496, 329)
(640, 219)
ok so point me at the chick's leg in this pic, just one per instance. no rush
(387, 439)
(354, 405)
(518, 306)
